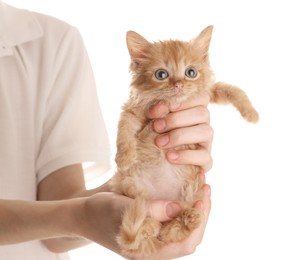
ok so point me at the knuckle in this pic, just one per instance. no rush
(207, 156)
(177, 136)
(204, 113)
(208, 131)
(173, 120)
(208, 161)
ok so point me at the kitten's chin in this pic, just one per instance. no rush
(182, 95)
(179, 98)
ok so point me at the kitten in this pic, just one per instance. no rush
(169, 71)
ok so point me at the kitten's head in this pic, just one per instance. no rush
(171, 70)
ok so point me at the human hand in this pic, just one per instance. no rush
(101, 218)
(102, 215)
(184, 123)
(162, 211)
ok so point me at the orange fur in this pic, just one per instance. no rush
(169, 71)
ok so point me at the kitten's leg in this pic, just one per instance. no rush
(128, 126)
(226, 93)
(180, 227)
(138, 233)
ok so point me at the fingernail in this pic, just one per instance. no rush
(173, 209)
(173, 155)
(162, 140)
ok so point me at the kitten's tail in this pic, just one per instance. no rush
(133, 218)
(138, 233)
(223, 93)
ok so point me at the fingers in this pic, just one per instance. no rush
(183, 118)
(207, 201)
(184, 123)
(201, 134)
(163, 210)
(189, 245)
(203, 99)
(204, 207)
(186, 127)
(200, 157)
(161, 109)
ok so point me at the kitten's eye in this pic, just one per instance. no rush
(161, 74)
(191, 72)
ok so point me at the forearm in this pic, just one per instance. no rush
(22, 221)
(97, 220)
(70, 192)
(87, 193)
(62, 244)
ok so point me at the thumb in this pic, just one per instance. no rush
(163, 210)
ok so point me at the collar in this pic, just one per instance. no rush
(17, 26)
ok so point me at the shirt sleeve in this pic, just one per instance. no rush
(73, 129)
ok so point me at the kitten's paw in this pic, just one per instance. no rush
(126, 160)
(180, 227)
(144, 242)
(191, 219)
(251, 116)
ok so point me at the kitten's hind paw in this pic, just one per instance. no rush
(191, 219)
(143, 243)
(180, 227)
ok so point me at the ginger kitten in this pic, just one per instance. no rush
(169, 71)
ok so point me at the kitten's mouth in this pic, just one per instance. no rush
(179, 91)
(178, 88)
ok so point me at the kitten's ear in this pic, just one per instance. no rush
(136, 44)
(202, 41)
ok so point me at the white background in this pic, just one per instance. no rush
(249, 179)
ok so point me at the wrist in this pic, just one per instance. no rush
(71, 226)
(71, 221)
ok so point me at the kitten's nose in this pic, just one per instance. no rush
(179, 85)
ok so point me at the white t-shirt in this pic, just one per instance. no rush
(49, 111)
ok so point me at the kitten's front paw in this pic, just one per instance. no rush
(251, 115)
(126, 160)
